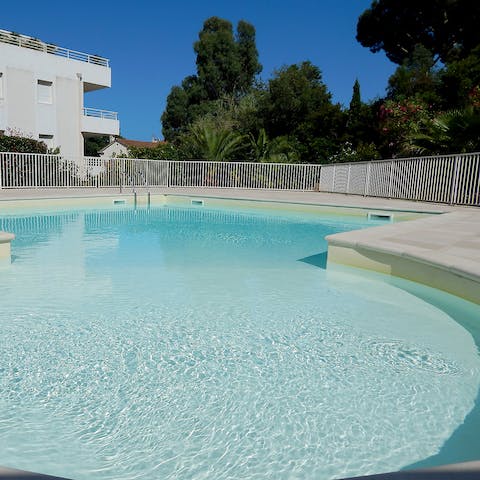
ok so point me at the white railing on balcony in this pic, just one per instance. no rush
(453, 179)
(35, 44)
(95, 112)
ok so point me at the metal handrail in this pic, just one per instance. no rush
(95, 112)
(35, 44)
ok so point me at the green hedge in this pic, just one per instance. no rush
(21, 145)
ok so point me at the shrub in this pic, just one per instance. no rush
(20, 144)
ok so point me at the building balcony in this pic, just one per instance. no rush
(94, 70)
(100, 122)
(35, 44)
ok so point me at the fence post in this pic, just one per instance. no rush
(454, 187)
(366, 189)
(2, 160)
(168, 173)
(390, 180)
(417, 181)
(122, 174)
(147, 163)
(333, 179)
(348, 178)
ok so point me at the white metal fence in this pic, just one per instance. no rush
(451, 179)
(21, 170)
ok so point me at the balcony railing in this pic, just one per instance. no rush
(95, 112)
(35, 44)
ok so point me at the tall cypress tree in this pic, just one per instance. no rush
(356, 101)
(218, 65)
(247, 55)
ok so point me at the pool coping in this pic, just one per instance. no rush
(439, 251)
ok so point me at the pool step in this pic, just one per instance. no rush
(5, 249)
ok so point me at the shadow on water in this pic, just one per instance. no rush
(318, 260)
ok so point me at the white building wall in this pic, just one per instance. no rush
(20, 101)
(68, 127)
(21, 108)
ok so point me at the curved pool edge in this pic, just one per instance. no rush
(457, 471)
(441, 251)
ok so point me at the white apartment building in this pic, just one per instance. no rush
(42, 88)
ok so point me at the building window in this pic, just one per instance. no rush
(44, 91)
(47, 140)
(1, 85)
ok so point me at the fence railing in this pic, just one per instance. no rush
(22, 170)
(97, 113)
(453, 179)
(13, 38)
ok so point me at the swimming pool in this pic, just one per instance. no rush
(190, 343)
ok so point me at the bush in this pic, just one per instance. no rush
(159, 151)
(21, 144)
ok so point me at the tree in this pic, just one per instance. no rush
(458, 80)
(361, 129)
(218, 64)
(398, 121)
(159, 151)
(265, 150)
(92, 145)
(298, 104)
(447, 28)
(416, 77)
(226, 66)
(456, 131)
(175, 118)
(247, 55)
(356, 101)
(294, 94)
(215, 145)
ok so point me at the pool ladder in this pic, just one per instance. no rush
(133, 185)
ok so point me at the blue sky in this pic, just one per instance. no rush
(150, 45)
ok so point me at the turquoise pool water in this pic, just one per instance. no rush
(177, 343)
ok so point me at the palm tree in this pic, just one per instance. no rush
(265, 150)
(216, 144)
(455, 131)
